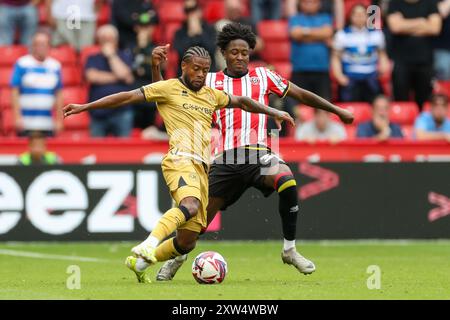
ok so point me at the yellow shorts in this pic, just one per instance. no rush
(186, 177)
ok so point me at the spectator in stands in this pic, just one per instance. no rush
(36, 90)
(321, 128)
(18, 15)
(265, 10)
(109, 72)
(144, 114)
(413, 23)
(358, 51)
(37, 153)
(310, 33)
(234, 10)
(335, 8)
(74, 21)
(195, 31)
(434, 125)
(380, 126)
(442, 44)
(124, 14)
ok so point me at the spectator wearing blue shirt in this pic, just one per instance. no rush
(109, 72)
(311, 32)
(358, 51)
(434, 125)
(380, 126)
(36, 90)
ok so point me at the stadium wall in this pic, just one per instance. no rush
(122, 202)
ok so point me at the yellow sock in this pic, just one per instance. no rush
(166, 250)
(168, 223)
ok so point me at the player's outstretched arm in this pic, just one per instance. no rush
(111, 101)
(315, 101)
(253, 106)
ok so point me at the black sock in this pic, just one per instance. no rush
(288, 208)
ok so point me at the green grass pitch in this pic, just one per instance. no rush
(409, 270)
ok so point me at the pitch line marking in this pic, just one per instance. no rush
(37, 255)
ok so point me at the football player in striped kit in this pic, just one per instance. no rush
(245, 159)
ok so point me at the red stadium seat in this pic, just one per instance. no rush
(7, 122)
(351, 132)
(170, 11)
(304, 113)
(408, 132)
(404, 113)
(284, 69)
(78, 122)
(348, 5)
(442, 87)
(77, 94)
(273, 30)
(66, 55)
(169, 31)
(104, 14)
(276, 51)
(5, 98)
(10, 54)
(361, 110)
(5, 76)
(42, 13)
(86, 52)
(172, 64)
(214, 11)
(71, 76)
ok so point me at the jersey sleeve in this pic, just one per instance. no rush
(222, 99)
(276, 83)
(156, 92)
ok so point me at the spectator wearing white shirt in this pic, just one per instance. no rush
(321, 128)
(63, 15)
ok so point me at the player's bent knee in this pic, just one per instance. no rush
(189, 207)
(284, 181)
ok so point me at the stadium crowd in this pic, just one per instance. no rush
(388, 61)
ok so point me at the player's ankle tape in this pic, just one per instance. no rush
(284, 181)
(185, 211)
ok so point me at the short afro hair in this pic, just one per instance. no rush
(235, 31)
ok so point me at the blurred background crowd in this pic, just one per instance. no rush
(388, 61)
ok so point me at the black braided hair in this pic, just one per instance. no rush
(235, 31)
(196, 52)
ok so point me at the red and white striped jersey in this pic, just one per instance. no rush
(238, 127)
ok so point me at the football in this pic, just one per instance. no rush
(209, 267)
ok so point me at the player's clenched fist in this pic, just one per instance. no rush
(73, 109)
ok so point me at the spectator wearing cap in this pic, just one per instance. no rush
(144, 114)
(195, 31)
(109, 72)
(36, 90)
(380, 127)
(18, 15)
(74, 21)
(358, 58)
(435, 124)
(125, 14)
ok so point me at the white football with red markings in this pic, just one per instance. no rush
(209, 267)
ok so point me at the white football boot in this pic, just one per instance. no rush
(294, 258)
(170, 268)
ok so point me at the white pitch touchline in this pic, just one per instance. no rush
(37, 255)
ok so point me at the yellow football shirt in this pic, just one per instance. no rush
(187, 114)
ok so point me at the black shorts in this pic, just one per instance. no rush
(238, 169)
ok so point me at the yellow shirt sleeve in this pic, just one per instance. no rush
(222, 99)
(156, 92)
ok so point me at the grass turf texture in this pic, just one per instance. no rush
(409, 270)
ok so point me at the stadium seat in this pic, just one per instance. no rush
(348, 5)
(273, 30)
(5, 76)
(169, 31)
(170, 11)
(351, 132)
(7, 122)
(442, 87)
(104, 14)
(10, 54)
(66, 55)
(71, 75)
(404, 113)
(304, 113)
(86, 52)
(361, 110)
(42, 13)
(5, 98)
(214, 11)
(276, 51)
(77, 122)
(172, 65)
(284, 69)
(78, 94)
(408, 132)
